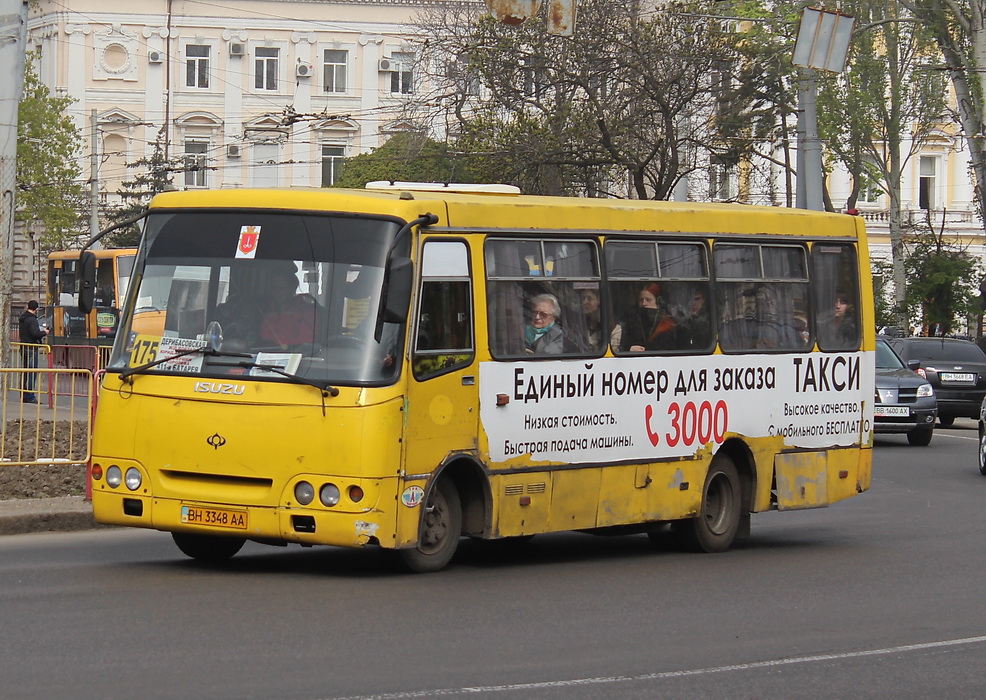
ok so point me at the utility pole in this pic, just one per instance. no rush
(94, 179)
(13, 39)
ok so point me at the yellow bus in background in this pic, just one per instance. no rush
(67, 325)
(406, 365)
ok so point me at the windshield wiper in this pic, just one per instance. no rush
(326, 388)
(205, 350)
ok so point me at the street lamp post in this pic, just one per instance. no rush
(823, 41)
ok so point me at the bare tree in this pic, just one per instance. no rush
(626, 107)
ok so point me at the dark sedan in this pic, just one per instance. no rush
(905, 401)
(956, 369)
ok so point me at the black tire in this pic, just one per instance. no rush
(920, 437)
(441, 528)
(715, 527)
(207, 547)
(946, 421)
(982, 451)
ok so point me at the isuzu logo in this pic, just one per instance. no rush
(219, 388)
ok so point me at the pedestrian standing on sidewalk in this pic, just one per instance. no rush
(32, 335)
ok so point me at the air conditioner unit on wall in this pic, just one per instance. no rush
(237, 49)
(303, 70)
(233, 150)
(385, 65)
(155, 57)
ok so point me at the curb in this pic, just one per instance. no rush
(29, 515)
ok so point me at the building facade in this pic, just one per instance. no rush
(277, 93)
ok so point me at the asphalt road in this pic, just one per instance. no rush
(876, 597)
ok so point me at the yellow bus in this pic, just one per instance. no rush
(67, 324)
(403, 366)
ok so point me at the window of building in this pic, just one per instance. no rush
(197, 66)
(265, 164)
(402, 73)
(722, 178)
(196, 164)
(332, 159)
(926, 182)
(334, 70)
(265, 73)
(869, 188)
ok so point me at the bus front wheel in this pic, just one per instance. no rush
(715, 527)
(441, 526)
(207, 547)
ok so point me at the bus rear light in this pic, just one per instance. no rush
(355, 494)
(96, 472)
(114, 476)
(329, 495)
(304, 493)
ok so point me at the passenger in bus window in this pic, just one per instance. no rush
(740, 332)
(649, 326)
(838, 326)
(697, 323)
(287, 318)
(593, 318)
(776, 320)
(543, 335)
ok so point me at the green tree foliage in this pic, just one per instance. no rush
(757, 101)
(152, 174)
(878, 114)
(409, 157)
(943, 281)
(48, 190)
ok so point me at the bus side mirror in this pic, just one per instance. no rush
(400, 278)
(87, 281)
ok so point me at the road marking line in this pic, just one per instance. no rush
(671, 674)
(958, 437)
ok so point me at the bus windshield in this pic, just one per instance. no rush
(296, 294)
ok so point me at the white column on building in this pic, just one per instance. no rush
(370, 94)
(76, 71)
(301, 147)
(230, 172)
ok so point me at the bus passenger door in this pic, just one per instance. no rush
(442, 396)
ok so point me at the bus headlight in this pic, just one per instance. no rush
(304, 493)
(329, 495)
(114, 476)
(133, 478)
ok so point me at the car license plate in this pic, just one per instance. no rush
(965, 377)
(891, 411)
(214, 517)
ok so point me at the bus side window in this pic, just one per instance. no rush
(527, 279)
(443, 338)
(105, 287)
(837, 321)
(763, 292)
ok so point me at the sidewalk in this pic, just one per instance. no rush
(19, 516)
(61, 514)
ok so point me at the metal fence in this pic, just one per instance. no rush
(54, 429)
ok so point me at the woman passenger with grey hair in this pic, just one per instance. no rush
(543, 335)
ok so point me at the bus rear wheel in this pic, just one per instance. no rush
(207, 547)
(716, 525)
(441, 527)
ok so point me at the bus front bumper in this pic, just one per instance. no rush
(306, 526)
